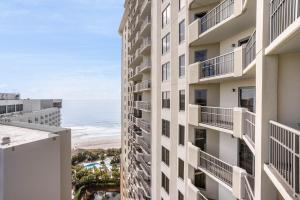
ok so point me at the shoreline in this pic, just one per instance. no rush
(96, 143)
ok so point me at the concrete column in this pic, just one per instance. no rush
(266, 102)
(156, 100)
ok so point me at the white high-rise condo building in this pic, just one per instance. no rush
(210, 99)
(38, 111)
(35, 162)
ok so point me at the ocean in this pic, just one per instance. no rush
(92, 119)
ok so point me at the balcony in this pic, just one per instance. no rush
(142, 86)
(143, 105)
(226, 19)
(147, 188)
(194, 193)
(146, 27)
(136, 73)
(144, 125)
(146, 8)
(229, 176)
(227, 66)
(146, 168)
(227, 120)
(284, 158)
(146, 46)
(284, 27)
(135, 43)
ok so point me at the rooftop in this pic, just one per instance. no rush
(19, 135)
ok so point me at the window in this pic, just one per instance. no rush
(166, 128)
(200, 55)
(181, 66)
(181, 4)
(181, 100)
(2, 109)
(166, 43)
(200, 139)
(166, 71)
(180, 168)
(181, 135)
(200, 179)
(19, 107)
(166, 15)
(201, 97)
(165, 99)
(11, 108)
(180, 196)
(165, 182)
(247, 98)
(165, 155)
(181, 31)
(246, 160)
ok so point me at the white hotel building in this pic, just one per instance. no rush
(38, 111)
(210, 99)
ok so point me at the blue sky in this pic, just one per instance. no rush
(66, 49)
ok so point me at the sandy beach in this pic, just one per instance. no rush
(97, 143)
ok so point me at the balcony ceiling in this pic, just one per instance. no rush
(229, 27)
(200, 3)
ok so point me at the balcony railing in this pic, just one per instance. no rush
(194, 193)
(217, 66)
(146, 167)
(282, 14)
(221, 12)
(249, 126)
(216, 167)
(146, 187)
(144, 125)
(145, 23)
(284, 154)
(143, 105)
(145, 85)
(250, 50)
(216, 116)
(249, 187)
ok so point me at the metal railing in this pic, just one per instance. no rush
(249, 126)
(146, 43)
(250, 50)
(146, 167)
(145, 146)
(144, 125)
(145, 23)
(249, 187)
(146, 187)
(144, 5)
(221, 12)
(142, 86)
(216, 167)
(282, 14)
(284, 154)
(217, 66)
(216, 116)
(143, 105)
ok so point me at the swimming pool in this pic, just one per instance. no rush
(92, 165)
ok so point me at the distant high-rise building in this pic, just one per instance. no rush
(210, 99)
(38, 111)
(35, 162)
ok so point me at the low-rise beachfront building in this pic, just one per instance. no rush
(38, 111)
(35, 162)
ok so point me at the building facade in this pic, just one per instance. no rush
(35, 162)
(38, 111)
(214, 113)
